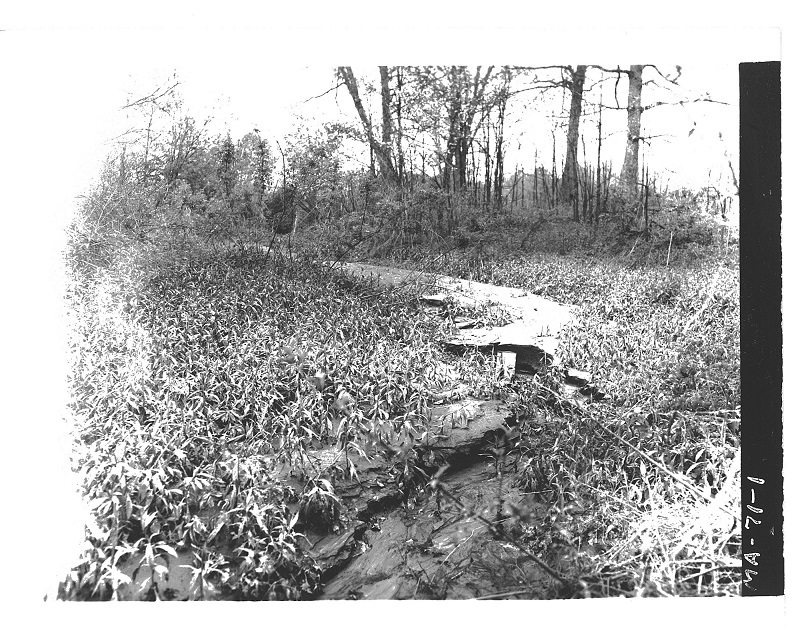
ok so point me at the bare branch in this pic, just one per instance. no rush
(540, 68)
(683, 102)
(330, 90)
(157, 94)
(671, 80)
(648, 138)
(617, 70)
(543, 85)
(129, 131)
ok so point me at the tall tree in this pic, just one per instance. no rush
(254, 165)
(177, 151)
(398, 132)
(465, 97)
(502, 102)
(386, 108)
(381, 151)
(569, 181)
(226, 170)
(630, 167)
(455, 129)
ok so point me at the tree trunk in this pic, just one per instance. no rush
(570, 175)
(599, 147)
(487, 177)
(386, 110)
(399, 127)
(630, 166)
(498, 165)
(387, 168)
(465, 96)
(646, 203)
(454, 112)
(545, 188)
(499, 176)
(553, 177)
(463, 146)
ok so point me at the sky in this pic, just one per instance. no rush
(74, 80)
(273, 97)
(66, 73)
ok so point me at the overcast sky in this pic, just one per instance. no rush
(72, 82)
(68, 67)
(241, 95)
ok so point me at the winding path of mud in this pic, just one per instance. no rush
(439, 547)
(536, 321)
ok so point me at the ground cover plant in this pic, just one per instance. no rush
(193, 383)
(630, 475)
(199, 374)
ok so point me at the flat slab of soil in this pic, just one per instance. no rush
(550, 316)
(535, 323)
(430, 548)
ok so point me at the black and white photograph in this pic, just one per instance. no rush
(475, 325)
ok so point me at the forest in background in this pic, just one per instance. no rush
(428, 154)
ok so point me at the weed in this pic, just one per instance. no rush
(199, 378)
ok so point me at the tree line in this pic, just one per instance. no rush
(435, 145)
(449, 122)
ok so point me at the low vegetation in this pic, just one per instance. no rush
(198, 374)
(663, 346)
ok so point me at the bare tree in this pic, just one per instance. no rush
(381, 151)
(399, 126)
(465, 98)
(630, 166)
(502, 102)
(599, 150)
(386, 109)
(569, 183)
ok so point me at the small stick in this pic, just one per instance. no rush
(504, 594)
(635, 242)
(495, 530)
(669, 249)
